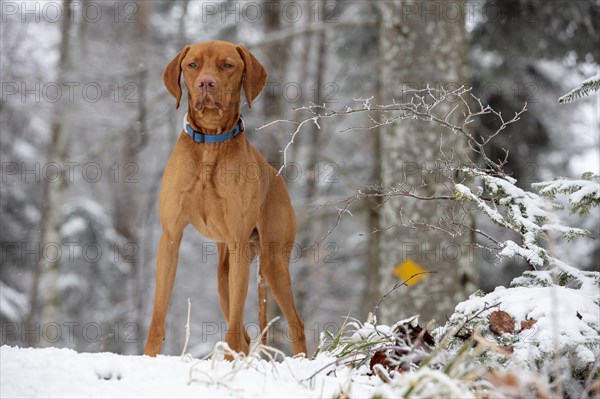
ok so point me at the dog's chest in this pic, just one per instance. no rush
(225, 195)
(219, 191)
(206, 201)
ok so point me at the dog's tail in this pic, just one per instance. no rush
(262, 308)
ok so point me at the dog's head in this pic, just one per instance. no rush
(214, 73)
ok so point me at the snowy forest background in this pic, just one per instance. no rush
(87, 126)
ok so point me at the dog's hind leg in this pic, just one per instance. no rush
(277, 231)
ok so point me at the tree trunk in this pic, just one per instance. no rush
(276, 61)
(420, 48)
(48, 266)
(126, 200)
(128, 195)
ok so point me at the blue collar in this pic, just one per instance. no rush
(200, 137)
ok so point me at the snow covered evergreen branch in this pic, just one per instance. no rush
(529, 215)
(584, 89)
(584, 193)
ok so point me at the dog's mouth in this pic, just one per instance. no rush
(208, 101)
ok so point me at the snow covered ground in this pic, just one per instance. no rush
(62, 373)
(544, 319)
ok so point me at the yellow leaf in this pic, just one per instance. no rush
(409, 268)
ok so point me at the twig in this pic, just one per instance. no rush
(476, 315)
(417, 108)
(241, 361)
(395, 287)
(187, 330)
(337, 362)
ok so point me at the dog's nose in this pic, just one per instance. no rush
(207, 83)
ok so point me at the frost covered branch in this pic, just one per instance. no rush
(584, 89)
(426, 105)
(481, 182)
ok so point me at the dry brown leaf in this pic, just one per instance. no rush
(380, 357)
(527, 324)
(501, 322)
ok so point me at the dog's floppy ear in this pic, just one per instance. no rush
(172, 74)
(255, 75)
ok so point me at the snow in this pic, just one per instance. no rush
(567, 324)
(54, 373)
(463, 191)
(589, 189)
(428, 383)
(579, 189)
(510, 249)
(567, 319)
(564, 229)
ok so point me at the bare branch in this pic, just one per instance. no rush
(423, 104)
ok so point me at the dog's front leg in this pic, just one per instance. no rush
(239, 270)
(166, 268)
(223, 284)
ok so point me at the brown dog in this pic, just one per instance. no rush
(225, 188)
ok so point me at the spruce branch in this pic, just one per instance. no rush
(584, 89)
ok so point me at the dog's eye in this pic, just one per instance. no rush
(192, 65)
(227, 65)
